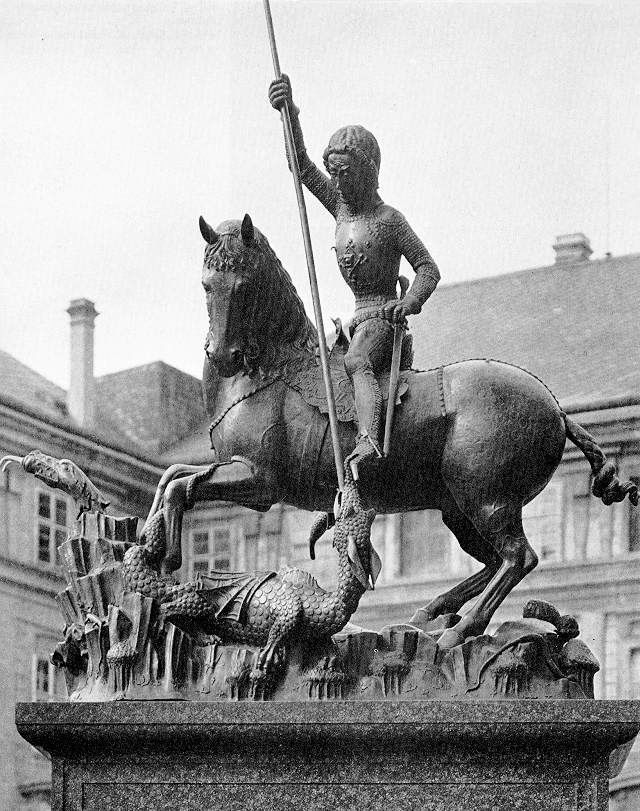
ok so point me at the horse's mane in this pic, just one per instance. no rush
(277, 324)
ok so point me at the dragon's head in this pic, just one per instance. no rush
(352, 532)
(62, 474)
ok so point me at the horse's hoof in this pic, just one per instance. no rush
(450, 639)
(428, 621)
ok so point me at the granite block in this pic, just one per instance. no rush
(367, 755)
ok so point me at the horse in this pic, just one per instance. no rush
(475, 439)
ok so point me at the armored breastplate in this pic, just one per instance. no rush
(367, 259)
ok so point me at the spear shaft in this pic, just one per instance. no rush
(306, 236)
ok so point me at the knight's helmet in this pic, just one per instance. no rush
(358, 141)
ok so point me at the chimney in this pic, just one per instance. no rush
(572, 248)
(81, 397)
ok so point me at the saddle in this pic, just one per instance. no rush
(308, 382)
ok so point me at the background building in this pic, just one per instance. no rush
(574, 324)
(114, 428)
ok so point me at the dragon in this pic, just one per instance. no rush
(267, 609)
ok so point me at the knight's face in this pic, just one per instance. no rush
(349, 177)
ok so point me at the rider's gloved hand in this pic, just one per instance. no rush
(280, 93)
(397, 311)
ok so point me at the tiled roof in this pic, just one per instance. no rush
(575, 325)
(154, 405)
(26, 386)
(145, 409)
(193, 449)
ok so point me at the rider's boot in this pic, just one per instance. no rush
(368, 400)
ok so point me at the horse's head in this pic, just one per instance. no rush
(254, 310)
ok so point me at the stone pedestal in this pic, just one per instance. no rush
(486, 756)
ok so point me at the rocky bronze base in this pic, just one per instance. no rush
(118, 645)
(428, 755)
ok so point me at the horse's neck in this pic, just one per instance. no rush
(218, 391)
(211, 383)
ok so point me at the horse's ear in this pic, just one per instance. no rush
(246, 230)
(207, 232)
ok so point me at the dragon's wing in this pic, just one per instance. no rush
(229, 593)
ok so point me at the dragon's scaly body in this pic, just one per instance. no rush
(267, 609)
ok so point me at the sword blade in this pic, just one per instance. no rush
(398, 335)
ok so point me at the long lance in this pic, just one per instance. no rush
(306, 236)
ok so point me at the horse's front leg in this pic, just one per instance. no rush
(170, 474)
(238, 481)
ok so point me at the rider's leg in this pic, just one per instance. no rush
(369, 353)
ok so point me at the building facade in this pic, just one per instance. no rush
(573, 324)
(114, 428)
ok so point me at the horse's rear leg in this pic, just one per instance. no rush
(471, 542)
(503, 529)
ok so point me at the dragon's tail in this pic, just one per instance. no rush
(606, 484)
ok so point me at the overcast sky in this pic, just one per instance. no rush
(500, 126)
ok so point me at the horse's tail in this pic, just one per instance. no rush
(606, 484)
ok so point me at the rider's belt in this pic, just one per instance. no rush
(365, 315)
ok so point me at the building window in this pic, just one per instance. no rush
(426, 545)
(52, 527)
(542, 522)
(634, 673)
(47, 680)
(210, 549)
(634, 522)
(221, 548)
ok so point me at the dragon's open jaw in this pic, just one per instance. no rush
(43, 467)
(6, 461)
(38, 464)
(61, 474)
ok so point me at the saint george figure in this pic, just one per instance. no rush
(370, 239)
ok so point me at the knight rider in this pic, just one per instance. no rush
(371, 237)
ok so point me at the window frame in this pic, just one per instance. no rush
(633, 523)
(54, 676)
(200, 562)
(50, 522)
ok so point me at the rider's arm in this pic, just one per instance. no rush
(412, 248)
(316, 181)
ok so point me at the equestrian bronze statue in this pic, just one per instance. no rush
(476, 439)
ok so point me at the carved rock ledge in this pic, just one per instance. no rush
(118, 645)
